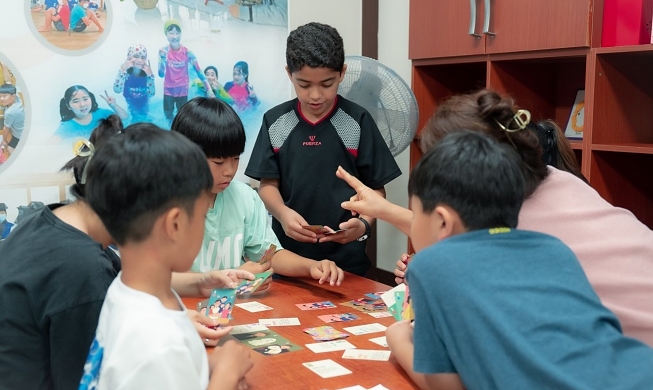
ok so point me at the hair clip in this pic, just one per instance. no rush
(521, 119)
(84, 148)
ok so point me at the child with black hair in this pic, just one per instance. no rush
(174, 62)
(303, 140)
(155, 214)
(237, 226)
(240, 90)
(135, 80)
(497, 307)
(211, 73)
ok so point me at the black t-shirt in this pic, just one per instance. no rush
(304, 156)
(53, 279)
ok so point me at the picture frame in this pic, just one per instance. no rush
(576, 122)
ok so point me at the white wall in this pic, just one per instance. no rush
(346, 16)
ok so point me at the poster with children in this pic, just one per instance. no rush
(67, 64)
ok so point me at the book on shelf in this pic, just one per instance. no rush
(576, 120)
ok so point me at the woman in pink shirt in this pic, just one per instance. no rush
(613, 247)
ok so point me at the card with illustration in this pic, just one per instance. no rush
(366, 305)
(328, 318)
(250, 286)
(318, 229)
(267, 256)
(315, 305)
(220, 304)
(375, 296)
(325, 333)
(266, 342)
(407, 307)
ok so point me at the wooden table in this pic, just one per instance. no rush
(285, 371)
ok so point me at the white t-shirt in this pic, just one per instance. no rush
(140, 344)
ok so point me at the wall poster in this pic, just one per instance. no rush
(66, 64)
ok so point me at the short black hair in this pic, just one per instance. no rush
(213, 125)
(315, 45)
(8, 89)
(138, 175)
(475, 175)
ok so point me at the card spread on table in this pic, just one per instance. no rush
(220, 304)
(266, 342)
(279, 321)
(328, 318)
(253, 306)
(324, 333)
(366, 304)
(381, 341)
(357, 387)
(246, 328)
(380, 314)
(250, 286)
(366, 354)
(326, 368)
(330, 346)
(365, 329)
(315, 305)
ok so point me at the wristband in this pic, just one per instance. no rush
(368, 230)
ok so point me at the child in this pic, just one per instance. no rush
(59, 15)
(237, 223)
(144, 338)
(80, 113)
(173, 67)
(14, 117)
(496, 307)
(303, 140)
(5, 225)
(211, 73)
(81, 17)
(240, 90)
(135, 81)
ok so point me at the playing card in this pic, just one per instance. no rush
(325, 333)
(250, 286)
(328, 318)
(326, 368)
(315, 305)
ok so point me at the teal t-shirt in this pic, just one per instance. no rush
(78, 13)
(236, 228)
(514, 310)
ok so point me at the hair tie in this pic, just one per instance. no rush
(83, 148)
(521, 119)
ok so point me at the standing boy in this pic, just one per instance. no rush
(173, 67)
(303, 141)
(498, 308)
(14, 121)
(237, 222)
(150, 188)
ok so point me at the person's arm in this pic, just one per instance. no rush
(371, 203)
(119, 82)
(288, 263)
(400, 340)
(163, 54)
(200, 74)
(229, 363)
(193, 284)
(291, 221)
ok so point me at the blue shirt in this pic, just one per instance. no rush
(514, 310)
(70, 129)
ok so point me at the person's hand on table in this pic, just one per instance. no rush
(228, 278)
(327, 271)
(257, 268)
(205, 328)
(229, 363)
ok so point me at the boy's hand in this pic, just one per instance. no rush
(366, 201)
(398, 334)
(292, 224)
(229, 278)
(327, 271)
(208, 329)
(351, 231)
(402, 265)
(257, 268)
(229, 364)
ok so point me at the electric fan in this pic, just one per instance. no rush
(386, 96)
